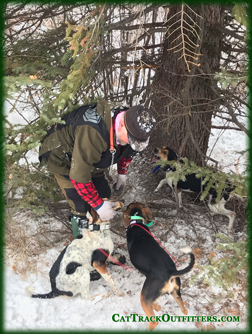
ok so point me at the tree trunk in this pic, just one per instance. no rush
(183, 99)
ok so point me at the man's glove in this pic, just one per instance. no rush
(106, 211)
(120, 184)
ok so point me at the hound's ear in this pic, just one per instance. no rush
(147, 214)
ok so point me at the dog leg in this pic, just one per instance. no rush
(176, 295)
(148, 310)
(212, 214)
(85, 289)
(178, 198)
(161, 183)
(84, 280)
(102, 269)
(231, 216)
(179, 192)
(151, 291)
(156, 307)
(85, 293)
(219, 208)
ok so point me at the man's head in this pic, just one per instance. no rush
(136, 126)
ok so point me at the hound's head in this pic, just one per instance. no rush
(164, 153)
(136, 209)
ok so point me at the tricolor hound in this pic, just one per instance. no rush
(152, 261)
(193, 184)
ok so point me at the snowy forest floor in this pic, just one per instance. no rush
(33, 244)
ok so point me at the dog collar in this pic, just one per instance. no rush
(167, 169)
(97, 227)
(135, 218)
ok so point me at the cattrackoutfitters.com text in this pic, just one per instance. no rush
(173, 318)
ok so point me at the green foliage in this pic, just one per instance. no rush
(21, 138)
(84, 45)
(227, 79)
(32, 67)
(216, 180)
(13, 84)
(240, 13)
(223, 272)
(33, 189)
(47, 73)
(39, 55)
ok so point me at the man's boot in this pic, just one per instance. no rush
(78, 223)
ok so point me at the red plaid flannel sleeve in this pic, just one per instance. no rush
(122, 165)
(89, 193)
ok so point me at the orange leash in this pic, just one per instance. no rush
(112, 148)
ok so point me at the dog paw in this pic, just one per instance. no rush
(156, 190)
(152, 325)
(184, 311)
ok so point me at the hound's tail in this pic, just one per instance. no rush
(186, 250)
(52, 294)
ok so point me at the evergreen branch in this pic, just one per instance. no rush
(215, 180)
(223, 271)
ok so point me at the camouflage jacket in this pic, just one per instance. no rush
(80, 148)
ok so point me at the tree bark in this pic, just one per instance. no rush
(183, 100)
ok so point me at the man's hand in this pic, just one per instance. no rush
(120, 184)
(106, 211)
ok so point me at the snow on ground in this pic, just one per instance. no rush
(226, 148)
(63, 313)
(22, 312)
(191, 228)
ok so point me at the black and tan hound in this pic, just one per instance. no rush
(153, 261)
